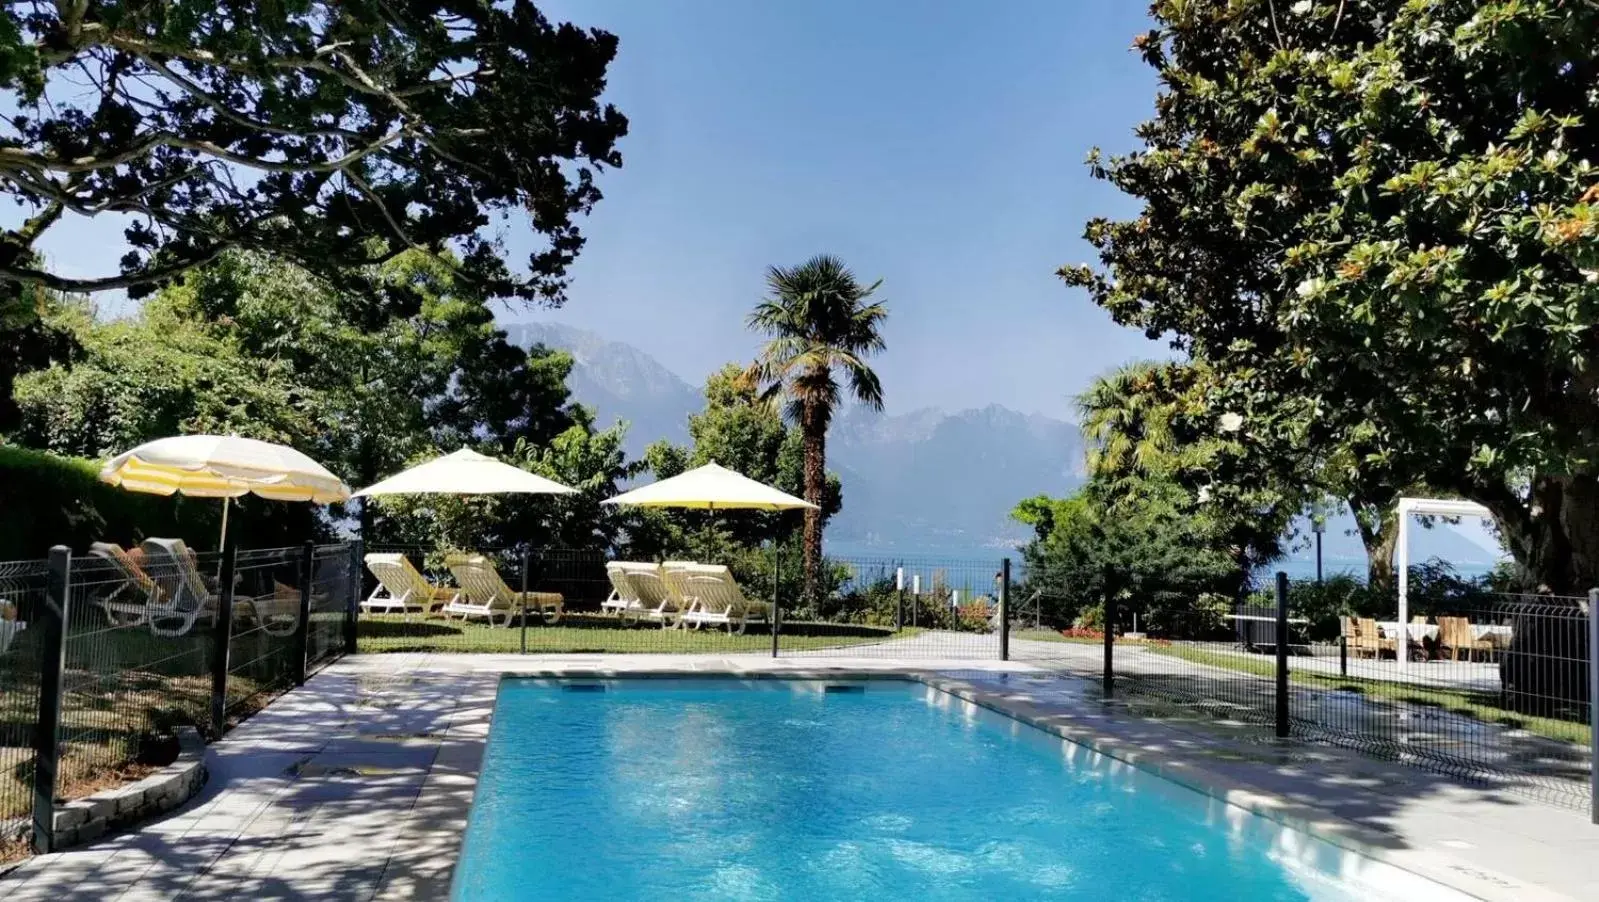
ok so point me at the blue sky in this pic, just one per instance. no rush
(937, 146)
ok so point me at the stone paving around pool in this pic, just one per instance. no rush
(358, 785)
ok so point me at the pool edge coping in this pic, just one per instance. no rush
(1385, 848)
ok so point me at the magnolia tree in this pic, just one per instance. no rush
(1379, 223)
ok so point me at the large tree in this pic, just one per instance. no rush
(1150, 551)
(822, 327)
(305, 129)
(1386, 213)
(363, 381)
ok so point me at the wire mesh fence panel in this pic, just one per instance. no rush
(901, 607)
(333, 568)
(1044, 631)
(262, 660)
(136, 652)
(1206, 662)
(22, 591)
(1493, 691)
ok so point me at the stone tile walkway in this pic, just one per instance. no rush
(358, 786)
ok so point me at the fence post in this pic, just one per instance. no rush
(899, 599)
(1343, 655)
(222, 640)
(1282, 653)
(353, 603)
(1004, 609)
(777, 582)
(1109, 617)
(1593, 705)
(302, 626)
(53, 654)
(527, 564)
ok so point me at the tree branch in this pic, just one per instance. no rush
(28, 276)
(227, 112)
(15, 158)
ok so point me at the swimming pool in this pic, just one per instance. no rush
(884, 790)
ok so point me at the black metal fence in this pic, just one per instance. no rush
(103, 655)
(901, 607)
(1494, 691)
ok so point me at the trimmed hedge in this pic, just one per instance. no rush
(47, 499)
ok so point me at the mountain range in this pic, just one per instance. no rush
(927, 481)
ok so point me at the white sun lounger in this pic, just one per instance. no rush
(623, 596)
(649, 596)
(484, 594)
(402, 589)
(714, 598)
(183, 596)
(129, 603)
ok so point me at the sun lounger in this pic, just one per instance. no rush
(652, 598)
(623, 596)
(401, 588)
(127, 604)
(714, 598)
(184, 597)
(277, 614)
(485, 594)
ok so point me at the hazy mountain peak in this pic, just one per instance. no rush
(922, 481)
(620, 382)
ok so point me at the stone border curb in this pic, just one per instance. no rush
(83, 820)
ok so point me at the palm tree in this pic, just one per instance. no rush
(1129, 418)
(820, 328)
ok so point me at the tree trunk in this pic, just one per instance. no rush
(813, 428)
(1379, 532)
(1554, 534)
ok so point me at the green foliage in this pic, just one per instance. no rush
(1376, 222)
(1147, 551)
(53, 500)
(1151, 432)
(304, 129)
(365, 385)
(820, 326)
(160, 374)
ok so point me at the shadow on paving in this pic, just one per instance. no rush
(315, 816)
(1489, 758)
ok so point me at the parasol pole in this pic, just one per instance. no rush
(226, 500)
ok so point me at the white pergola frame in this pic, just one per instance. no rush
(1408, 507)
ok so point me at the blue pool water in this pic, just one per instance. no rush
(777, 790)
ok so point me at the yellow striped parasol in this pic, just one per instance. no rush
(223, 466)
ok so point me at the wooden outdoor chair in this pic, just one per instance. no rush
(1455, 635)
(1369, 637)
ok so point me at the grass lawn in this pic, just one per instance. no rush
(1481, 706)
(594, 634)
